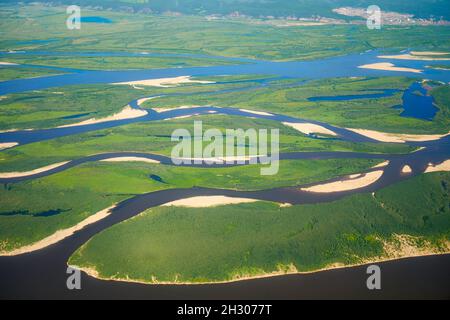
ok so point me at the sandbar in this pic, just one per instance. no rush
(444, 166)
(130, 159)
(60, 234)
(8, 175)
(387, 66)
(207, 201)
(397, 137)
(8, 145)
(347, 184)
(163, 82)
(381, 165)
(126, 113)
(421, 57)
(160, 110)
(406, 169)
(308, 128)
(261, 113)
(2, 63)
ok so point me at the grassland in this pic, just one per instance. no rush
(71, 104)
(167, 244)
(12, 73)
(230, 38)
(375, 114)
(56, 202)
(114, 63)
(155, 137)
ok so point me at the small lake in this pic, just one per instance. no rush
(95, 19)
(417, 103)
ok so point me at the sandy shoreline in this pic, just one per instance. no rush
(161, 110)
(92, 272)
(381, 165)
(19, 174)
(60, 234)
(163, 82)
(355, 182)
(308, 128)
(429, 53)
(418, 56)
(397, 137)
(131, 159)
(8, 145)
(387, 66)
(260, 113)
(126, 113)
(444, 166)
(207, 202)
(2, 63)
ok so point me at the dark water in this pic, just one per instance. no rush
(41, 274)
(417, 103)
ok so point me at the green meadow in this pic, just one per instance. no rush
(13, 73)
(200, 35)
(375, 114)
(71, 104)
(155, 137)
(170, 244)
(60, 201)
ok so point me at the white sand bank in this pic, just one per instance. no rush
(32, 172)
(357, 182)
(429, 53)
(142, 100)
(130, 159)
(308, 128)
(260, 113)
(2, 63)
(419, 57)
(163, 82)
(406, 169)
(397, 137)
(207, 201)
(381, 165)
(126, 113)
(444, 166)
(8, 145)
(386, 66)
(60, 235)
(160, 110)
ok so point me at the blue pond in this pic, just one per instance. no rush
(95, 19)
(416, 101)
(418, 104)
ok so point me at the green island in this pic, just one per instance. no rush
(82, 191)
(186, 245)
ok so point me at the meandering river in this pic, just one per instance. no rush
(42, 274)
